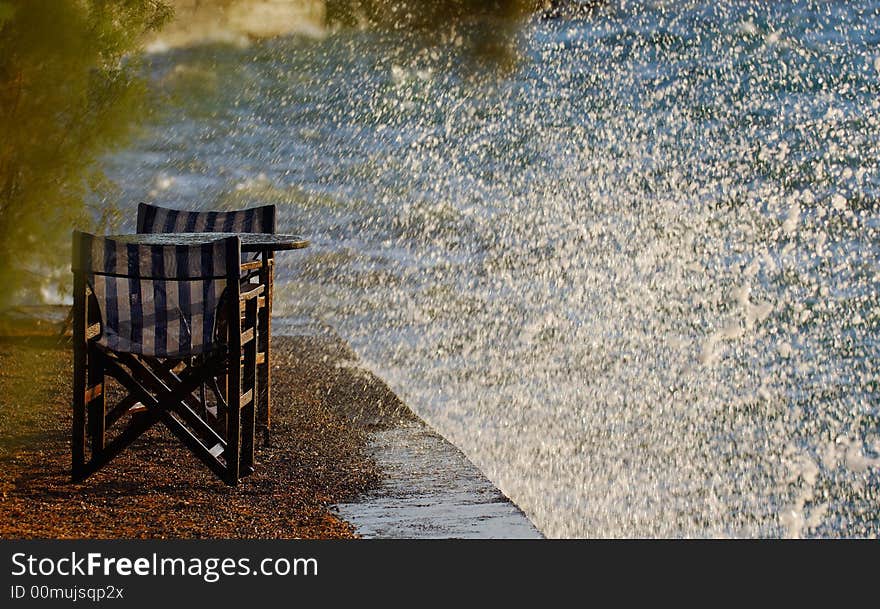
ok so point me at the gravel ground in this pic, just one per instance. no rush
(323, 405)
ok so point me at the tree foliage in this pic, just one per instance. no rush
(484, 27)
(69, 91)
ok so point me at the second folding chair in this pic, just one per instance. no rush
(260, 269)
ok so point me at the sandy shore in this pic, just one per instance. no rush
(323, 408)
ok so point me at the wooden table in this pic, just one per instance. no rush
(250, 242)
(265, 245)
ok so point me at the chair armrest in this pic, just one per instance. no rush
(250, 294)
(253, 265)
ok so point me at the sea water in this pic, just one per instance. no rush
(634, 277)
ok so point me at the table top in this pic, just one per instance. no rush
(250, 242)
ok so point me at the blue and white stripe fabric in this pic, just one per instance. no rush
(155, 300)
(155, 219)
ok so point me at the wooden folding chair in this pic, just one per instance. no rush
(259, 269)
(150, 316)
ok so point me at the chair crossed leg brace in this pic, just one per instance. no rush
(151, 318)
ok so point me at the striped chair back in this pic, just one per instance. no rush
(155, 219)
(157, 300)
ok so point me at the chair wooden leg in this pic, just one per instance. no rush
(232, 453)
(80, 350)
(222, 383)
(78, 437)
(248, 412)
(95, 402)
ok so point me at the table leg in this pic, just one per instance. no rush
(264, 365)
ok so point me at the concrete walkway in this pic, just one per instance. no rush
(431, 490)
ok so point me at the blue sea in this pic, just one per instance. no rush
(634, 277)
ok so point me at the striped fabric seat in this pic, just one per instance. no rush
(155, 219)
(157, 301)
